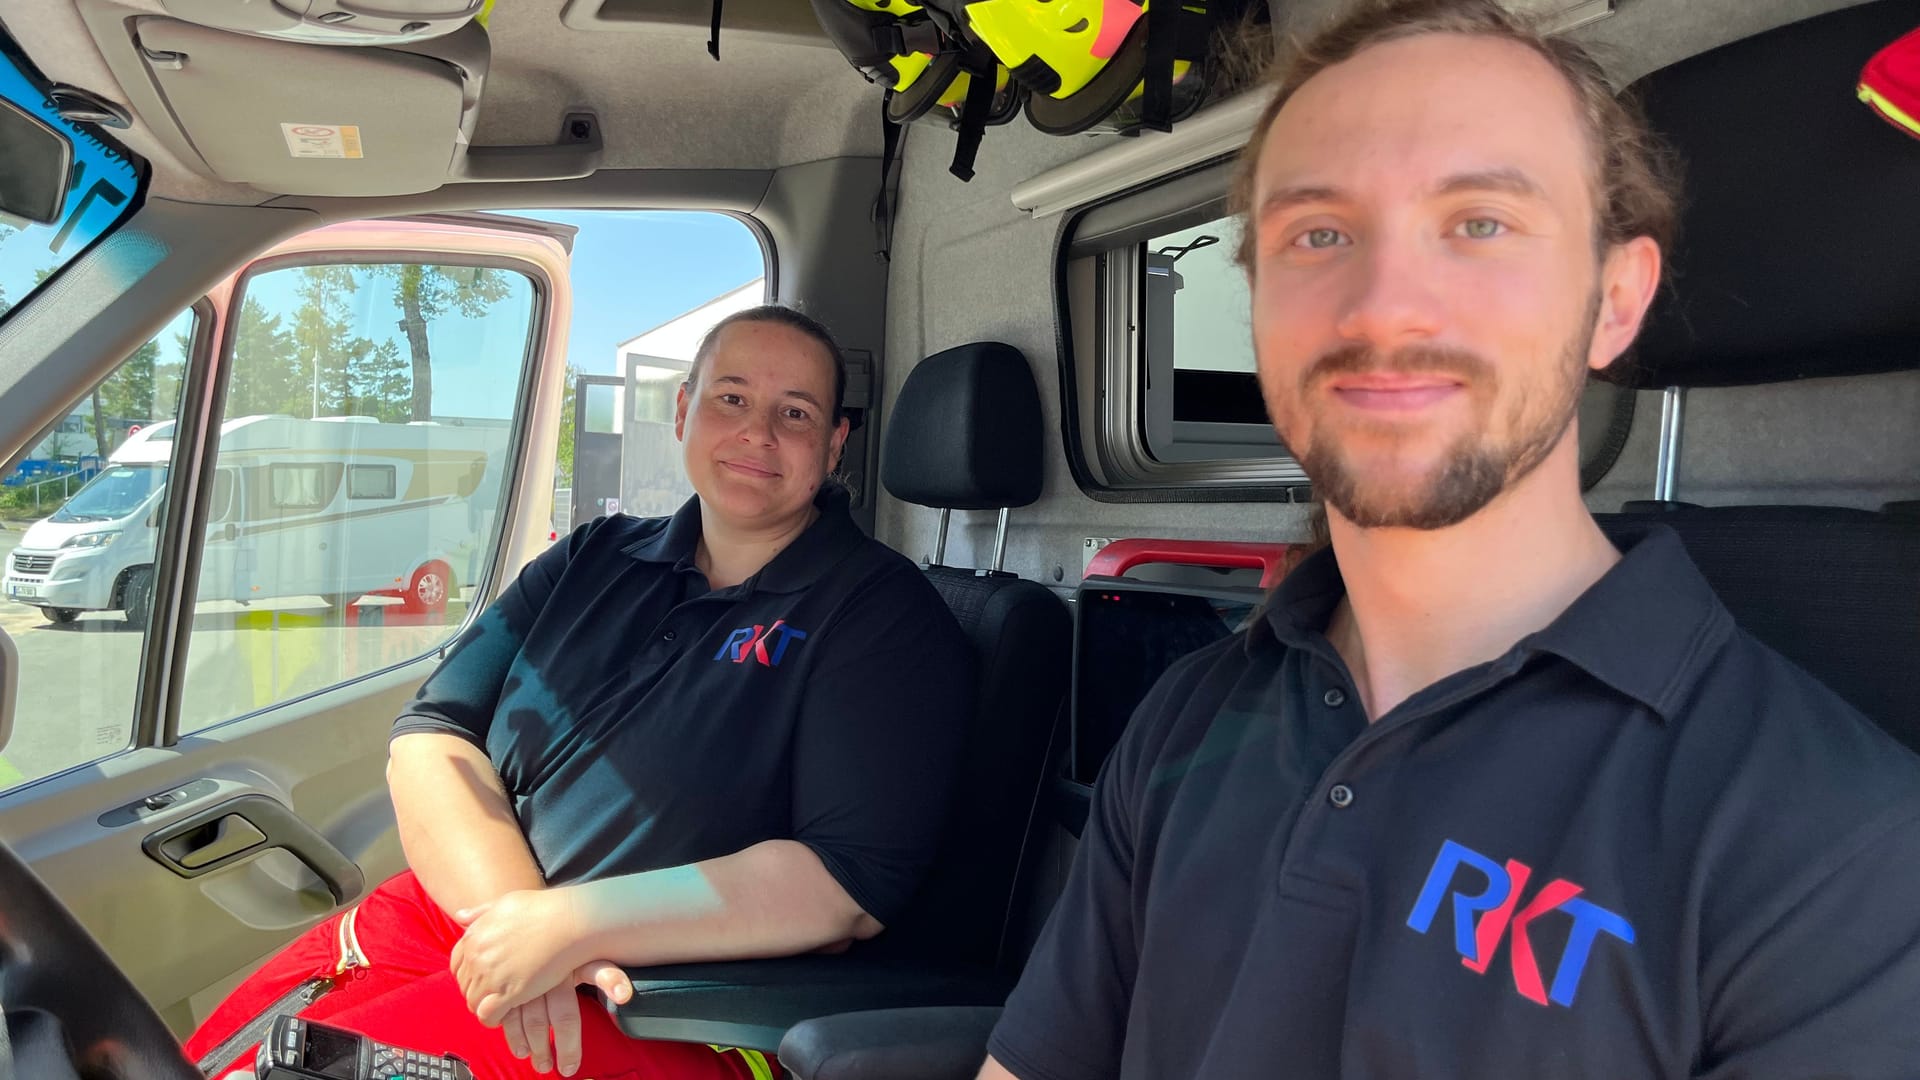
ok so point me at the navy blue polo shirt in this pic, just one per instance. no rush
(1639, 844)
(640, 721)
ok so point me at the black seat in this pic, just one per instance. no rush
(1834, 589)
(965, 435)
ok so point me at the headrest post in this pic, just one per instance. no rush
(1000, 541)
(940, 545)
(1672, 414)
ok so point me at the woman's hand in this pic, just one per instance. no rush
(547, 1028)
(516, 949)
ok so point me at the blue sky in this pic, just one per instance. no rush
(633, 270)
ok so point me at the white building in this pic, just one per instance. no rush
(678, 337)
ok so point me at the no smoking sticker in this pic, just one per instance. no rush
(322, 140)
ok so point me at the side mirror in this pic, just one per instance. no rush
(39, 165)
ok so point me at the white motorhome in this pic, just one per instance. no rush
(336, 507)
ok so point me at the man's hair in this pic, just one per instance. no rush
(1636, 191)
(793, 320)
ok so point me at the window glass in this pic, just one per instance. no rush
(78, 519)
(370, 411)
(1197, 379)
(298, 487)
(371, 482)
(603, 412)
(222, 507)
(647, 286)
(104, 181)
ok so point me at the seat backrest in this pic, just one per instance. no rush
(966, 434)
(1835, 590)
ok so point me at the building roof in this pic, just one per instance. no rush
(678, 337)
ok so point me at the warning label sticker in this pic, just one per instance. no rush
(322, 140)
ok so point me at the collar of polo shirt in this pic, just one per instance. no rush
(825, 542)
(1647, 628)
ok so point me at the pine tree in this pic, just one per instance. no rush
(423, 293)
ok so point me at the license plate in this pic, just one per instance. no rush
(22, 591)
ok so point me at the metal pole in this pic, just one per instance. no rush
(940, 545)
(1672, 416)
(1000, 541)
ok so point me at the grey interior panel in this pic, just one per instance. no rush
(1826, 442)
(307, 119)
(967, 267)
(819, 217)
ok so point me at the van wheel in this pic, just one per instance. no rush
(429, 589)
(136, 597)
(62, 615)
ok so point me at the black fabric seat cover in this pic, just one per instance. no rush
(966, 434)
(1835, 590)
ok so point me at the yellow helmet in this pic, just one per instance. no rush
(1092, 63)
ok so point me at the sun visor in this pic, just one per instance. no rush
(308, 119)
(1799, 247)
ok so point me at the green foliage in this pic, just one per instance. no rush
(564, 460)
(423, 293)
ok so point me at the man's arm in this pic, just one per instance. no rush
(456, 826)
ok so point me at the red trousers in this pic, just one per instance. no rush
(405, 996)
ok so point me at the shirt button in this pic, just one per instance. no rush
(668, 636)
(1341, 796)
(1335, 698)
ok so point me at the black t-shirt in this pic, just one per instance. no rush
(639, 721)
(1639, 844)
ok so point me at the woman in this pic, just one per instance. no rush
(721, 735)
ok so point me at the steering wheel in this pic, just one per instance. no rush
(66, 1012)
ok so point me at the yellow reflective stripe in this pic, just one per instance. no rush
(756, 1061)
(1893, 112)
(485, 11)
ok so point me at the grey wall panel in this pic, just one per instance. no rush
(968, 267)
(826, 262)
(1830, 442)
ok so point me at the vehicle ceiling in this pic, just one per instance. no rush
(780, 96)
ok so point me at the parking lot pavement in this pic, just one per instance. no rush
(77, 681)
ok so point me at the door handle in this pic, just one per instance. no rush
(242, 828)
(233, 531)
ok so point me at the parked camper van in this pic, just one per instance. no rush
(337, 507)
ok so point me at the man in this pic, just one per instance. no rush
(1481, 795)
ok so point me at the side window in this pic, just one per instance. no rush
(378, 482)
(222, 509)
(78, 519)
(370, 411)
(1202, 396)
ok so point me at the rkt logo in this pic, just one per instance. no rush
(766, 644)
(1496, 907)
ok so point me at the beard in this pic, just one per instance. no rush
(1476, 468)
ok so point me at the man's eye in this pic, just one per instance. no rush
(733, 399)
(1318, 239)
(796, 414)
(1481, 229)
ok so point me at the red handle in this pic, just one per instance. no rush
(1272, 560)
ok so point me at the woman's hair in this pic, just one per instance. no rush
(793, 320)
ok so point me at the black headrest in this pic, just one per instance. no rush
(1800, 239)
(965, 434)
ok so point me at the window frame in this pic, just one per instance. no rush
(1110, 404)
